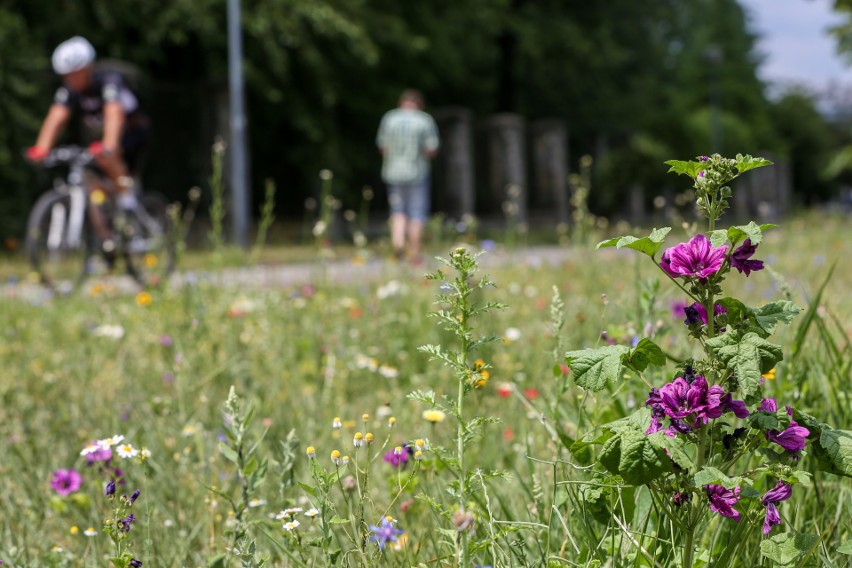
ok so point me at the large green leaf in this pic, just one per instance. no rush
(683, 167)
(769, 315)
(709, 475)
(646, 352)
(747, 162)
(788, 548)
(648, 245)
(593, 368)
(634, 457)
(832, 448)
(748, 357)
(742, 232)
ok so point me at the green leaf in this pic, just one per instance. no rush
(736, 309)
(337, 520)
(748, 357)
(250, 467)
(788, 548)
(771, 314)
(228, 452)
(634, 457)
(673, 448)
(742, 232)
(747, 162)
(593, 368)
(648, 245)
(217, 561)
(769, 420)
(718, 238)
(687, 168)
(709, 475)
(581, 449)
(845, 548)
(646, 352)
(835, 447)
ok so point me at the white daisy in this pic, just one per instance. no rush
(312, 512)
(256, 502)
(90, 449)
(127, 451)
(110, 442)
(291, 525)
(90, 532)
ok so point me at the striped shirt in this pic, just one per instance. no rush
(405, 136)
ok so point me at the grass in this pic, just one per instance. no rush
(303, 355)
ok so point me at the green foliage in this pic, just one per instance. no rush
(788, 549)
(747, 356)
(594, 369)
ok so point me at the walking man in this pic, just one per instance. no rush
(407, 140)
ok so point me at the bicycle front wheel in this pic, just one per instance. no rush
(59, 239)
(149, 243)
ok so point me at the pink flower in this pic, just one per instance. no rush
(66, 481)
(696, 258)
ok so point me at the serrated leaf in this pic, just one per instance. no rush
(769, 315)
(593, 368)
(748, 357)
(834, 451)
(648, 245)
(228, 452)
(682, 167)
(646, 352)
(673, 448)
(735, 309)
(718, 238)
(788, 548)
(742, 232)
(747, 162)
(581, 449)
(709, 475)
(769, 420)
(634, 457)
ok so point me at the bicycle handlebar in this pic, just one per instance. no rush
(70, 155)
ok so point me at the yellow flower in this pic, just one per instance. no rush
(368, 437)
(74, 529)
(434, 416)
(358, 440)
(769, 375)
(151, 260)
(143, 299)
(311, 451)
(335, 457)
(391, 422)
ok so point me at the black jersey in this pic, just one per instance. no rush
(106, 86)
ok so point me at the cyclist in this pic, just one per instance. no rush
(111, 122)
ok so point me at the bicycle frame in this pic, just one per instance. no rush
(65, 230)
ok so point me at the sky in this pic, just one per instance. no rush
(795, 43)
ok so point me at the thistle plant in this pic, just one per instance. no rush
(711, 442)
(457, 314)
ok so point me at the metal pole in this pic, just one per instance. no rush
(240, 197)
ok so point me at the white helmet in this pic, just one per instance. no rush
(72, 55)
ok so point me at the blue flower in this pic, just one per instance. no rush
(385, 533)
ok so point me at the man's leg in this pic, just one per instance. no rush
(398, 223)
(415, 237)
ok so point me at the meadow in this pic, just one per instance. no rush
(298, 482)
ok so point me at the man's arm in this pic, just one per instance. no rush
(113, 126)
(56, 118)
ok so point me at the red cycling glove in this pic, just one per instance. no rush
(36, 153)
(96, 148)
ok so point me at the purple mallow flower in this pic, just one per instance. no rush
(722, 500)
(689, 405)
(696, 258)
(741, 258)
(109, 490)
(768, 405)
(66, 481)
(384, 533)
(679, 499)
(781, 492)
(791, 438)
(698, 313)
(135, 563)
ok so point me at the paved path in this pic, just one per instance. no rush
(296, 274)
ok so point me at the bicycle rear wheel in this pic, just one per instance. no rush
(59, 239)
(148, 242)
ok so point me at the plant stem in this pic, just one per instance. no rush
(464, 559)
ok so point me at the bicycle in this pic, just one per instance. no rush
(63, 246)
